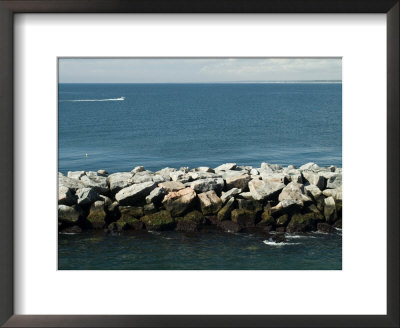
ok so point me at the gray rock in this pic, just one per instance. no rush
(65, 196)
(336, 194)
(95, 181)
(205, 169)
(335, 181)
(261, 190)
(67, 214)
(294, 192)
(313, 190)
(86, 196)
(274, 177)
(180, 176)
(246, 195)
(138, 169)
(210, 203)
(254, 172)
(70, 183)
(142, 177)
(165, 172)
(156, 195)
(315, 179)
(225, 212)
(208, 184)
(226, 167)
(103, 173)
(232, 174)
(120, 180)
(158, 178)
(330, 209)
(75, 174)
(270, 167)
(135, 193)
(230, 194)
(172, 185)
(240, 182)
(309, 166)
(178, 202)
(107, 201)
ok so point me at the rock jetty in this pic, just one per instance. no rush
(229, 197)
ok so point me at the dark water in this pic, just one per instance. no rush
(159, 125)
(198, 251)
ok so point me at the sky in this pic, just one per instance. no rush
(196, 70)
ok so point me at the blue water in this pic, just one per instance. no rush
(211, 250)
(159, 125)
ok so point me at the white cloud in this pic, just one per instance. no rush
(147, 70)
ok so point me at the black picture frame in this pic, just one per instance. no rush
(10, 7)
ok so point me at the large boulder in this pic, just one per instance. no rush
(210, 203)
(86, 196)
(128, 212)
(165, 172)
(243, 218)
(156, 195)
(226, 167)
(274, 177)
(309, 166)
(239, 182)
(119, 180)
(68, 214)
(135, 193)
(97, 215)
(301, 222)
(266, 167)
(75, 174)
(250, 204)
(70, 183)
(158, 221)
(225, 212)
(230, 194)
(334, 181)
(208, 184)
(295, 192)
(142, 177)
(315, 179)
(65, 196)
(190, 222)
(261, 190)
(171, 185)
(95, 181)
(330, 209)
(180, 176)
(178, 202)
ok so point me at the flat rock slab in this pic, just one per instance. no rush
(208, 184)
(170, 186)
(135, 193)
(120, 180)
(261, 190)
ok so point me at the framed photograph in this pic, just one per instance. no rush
(200, 154)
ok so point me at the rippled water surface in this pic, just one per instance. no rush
(159, 125)
(212, 250)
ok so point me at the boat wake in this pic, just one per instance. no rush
(110, 99)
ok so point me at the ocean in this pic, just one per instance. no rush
(119, 126)
(175, 125)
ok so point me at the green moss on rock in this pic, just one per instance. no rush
(266, 220)
(244, 218)
(158, 221)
